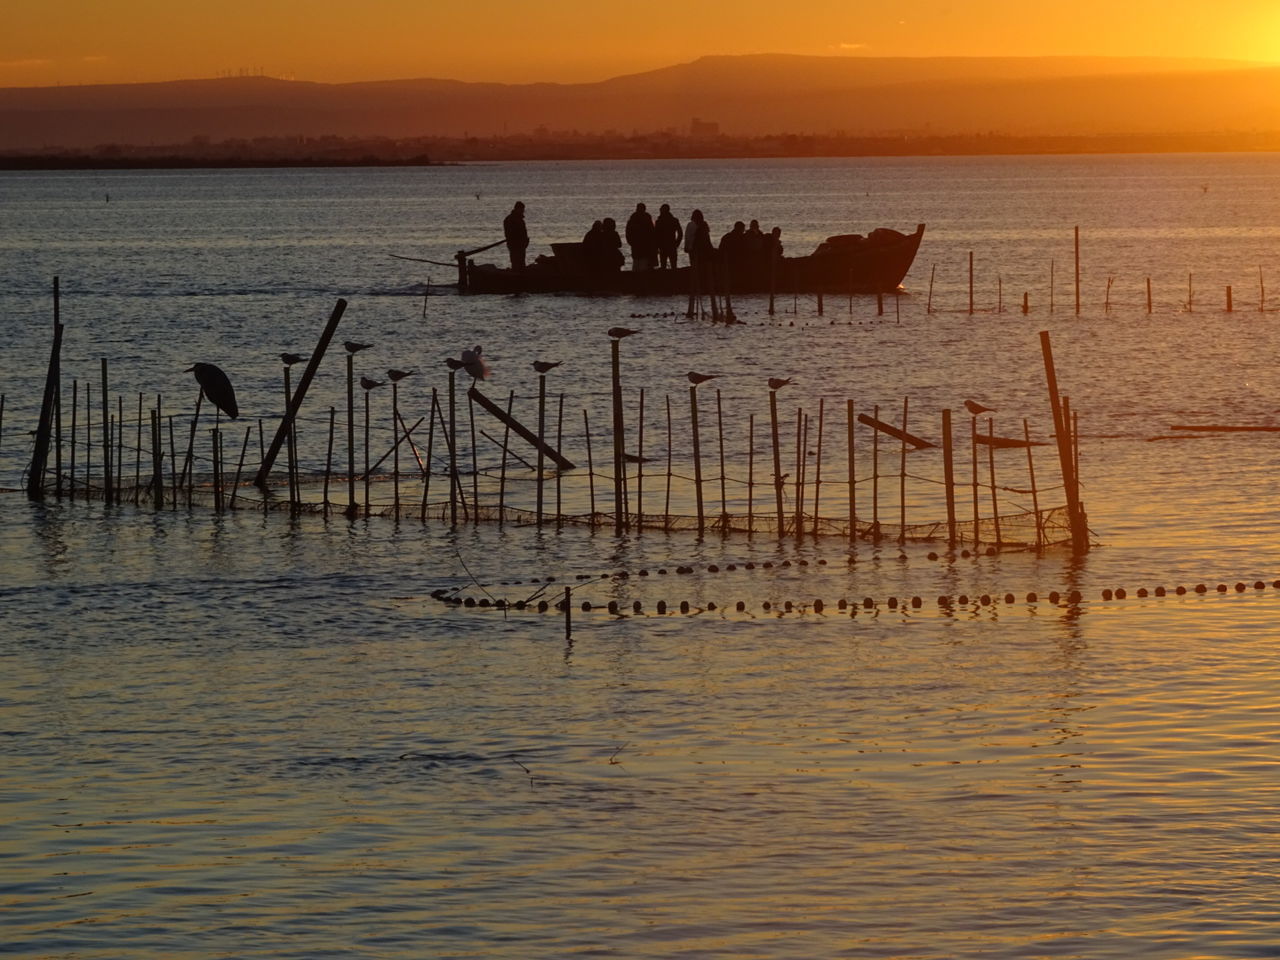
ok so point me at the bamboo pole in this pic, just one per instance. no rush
(244, 448)
(1052, 285)
(697, 457)
(902, 479)
(475, 463)
(137, 459)
(451, 437)
(1035, 495)
(559, 473)
(949, 477)
(328, 457)
(173, 467)
(432, 414)
(973, 449)
(817, 466)
(75, 403)
(289, 452)
(852, 467)
(802, 444)
(40, 455)
(542, 434)
(875, 477)
(1148, 296)
(724, 501)
(929, 304)
(619, 491)
(1079, 524)
(640, 466)
(295, 403)
(107, 485)
(395, 447)
(366, 452)
(118, 462)
(591, 467)
(502, 472)
(777, 461)
(666, 508)
(351, 436)
(157, 463)
(991, 473)
(970, 283)
(188, 468)
(57, 396)
(1262, 293)
(751, 474)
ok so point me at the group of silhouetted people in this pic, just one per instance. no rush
(655, 243)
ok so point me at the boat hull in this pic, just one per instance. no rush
(877, 263)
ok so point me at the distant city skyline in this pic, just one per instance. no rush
(86, 41)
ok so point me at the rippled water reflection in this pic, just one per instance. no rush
(250, 737)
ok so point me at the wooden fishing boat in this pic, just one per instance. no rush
(844, 264)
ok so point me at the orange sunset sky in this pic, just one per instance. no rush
(47, 42)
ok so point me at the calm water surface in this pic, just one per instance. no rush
(246, 736)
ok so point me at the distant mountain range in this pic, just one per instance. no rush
(743, 95)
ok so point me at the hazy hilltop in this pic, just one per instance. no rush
(744, 95)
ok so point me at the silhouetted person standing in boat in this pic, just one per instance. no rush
(642, 240)
(733, 248)
(516, 234)
(668, 234)
(701, 251)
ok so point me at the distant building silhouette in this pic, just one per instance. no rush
(703, 128)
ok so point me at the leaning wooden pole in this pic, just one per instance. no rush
(502, 470)
(1035, 494)
(991, 475)
(40, 458)
(1075, 514)
(724, 500)
(902, 478)
(973, 449)
(295, 403)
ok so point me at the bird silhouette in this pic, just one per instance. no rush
(543, 366)
(474, 364)
(619, 332)
(217, 387)
(697, 378)
(454, 363)
(353, 347)
(289, 359)
(370, 384)
(777, 383)
(976, 408)
(395, 375)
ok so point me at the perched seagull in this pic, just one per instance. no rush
(474, 364)
(217, 387)
(543, 366)
(353, 347)
(289, 359)
(697, 378)
(977, 409)
(370, 384)
(619, 332)
(777, 383)
(394, 375)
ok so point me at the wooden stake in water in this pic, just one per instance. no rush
(973, 447)
(173, 467)
(666, 506)
(157, 462)
(75, 402)
(697, 457)
(395, 446)
(542, 436)
(970, 282)
(1262, 293)
(1148, 295)
(619, 477)
(853, 478)
(591, 466)
(40, 454)
(432, 414)
(724, 500)
(559, 472)
(188, 468)
(119, 458)
(451, 435)
(929, 304)
(137, 458)
(475, 463)
(875, 476)
(640, 464)
(991, 474)
(802, 442)
(817, 466)
(949, 477)
(902, 479)
(1035, 495)
(244, 449)
(351, 436)
(1079, 524)
(366, 452)
(328, 457)
(1052, 285)
(289, 453)
(777, 462)
(502, 472)
(107, 485)
(751, 474)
